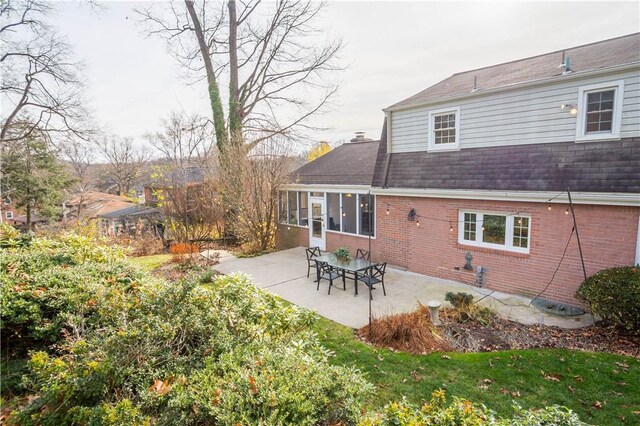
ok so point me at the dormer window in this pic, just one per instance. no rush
(599, 111)
(444, 131)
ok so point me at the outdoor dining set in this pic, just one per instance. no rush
(332, 268)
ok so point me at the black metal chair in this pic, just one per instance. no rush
(374, 275)
(363, 254)
(326, 272)
(311, 253)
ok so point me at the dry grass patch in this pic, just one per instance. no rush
(408, 332)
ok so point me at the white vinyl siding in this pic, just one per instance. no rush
(520, 117)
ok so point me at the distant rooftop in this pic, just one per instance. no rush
(589, 57)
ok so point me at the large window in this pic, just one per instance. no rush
(293, 208)
(599, 111)
(347, 213)
(367, 215)
(444, 130)
(8, 215)
(495, 230)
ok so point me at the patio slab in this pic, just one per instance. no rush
(284, 273)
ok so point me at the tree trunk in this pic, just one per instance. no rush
(214, 90)
(235, 120)
(29, 216)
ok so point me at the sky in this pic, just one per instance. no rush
(392, 51)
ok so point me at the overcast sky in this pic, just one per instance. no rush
(393, 50)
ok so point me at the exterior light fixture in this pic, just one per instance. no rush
(412, 215)
(549, 207)
(418, 222)
(288, 228)
(387, 210)
(349, 195)
(344, 214)
(566, 211)
(450, 227)
(573, 110)
(482, 228)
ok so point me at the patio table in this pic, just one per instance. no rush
(353, 265)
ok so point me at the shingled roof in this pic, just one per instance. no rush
(348, 164)
(610, 166)
(589, 57)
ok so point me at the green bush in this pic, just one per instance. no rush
(459, 300)
(50, 287)
(134, 349)
(461, 412)
(614, 295)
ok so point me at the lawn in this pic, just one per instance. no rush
(149, 263)
(602, 388)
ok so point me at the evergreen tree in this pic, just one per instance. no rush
(33, 177)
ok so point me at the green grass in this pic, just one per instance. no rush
(573, 378)
(149, 263)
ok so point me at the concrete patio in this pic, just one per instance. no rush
(284, 273)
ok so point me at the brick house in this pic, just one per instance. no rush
(481, 164)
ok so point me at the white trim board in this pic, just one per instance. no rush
(599, 198)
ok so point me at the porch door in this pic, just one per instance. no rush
(318, 225)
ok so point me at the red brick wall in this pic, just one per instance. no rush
(608, 236)
(607, 233)
(291, 236)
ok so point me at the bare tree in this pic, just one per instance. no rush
(186, 189)
(125, 162)
(273, 56)
(252, 191)
(40, 80)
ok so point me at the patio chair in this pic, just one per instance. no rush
(374, 275)
(326, 272)
(363, 254)
(311, 253)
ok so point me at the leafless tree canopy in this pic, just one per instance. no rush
(41, 83)
(125, 161)
(185, 139)
(279, 65)
(251, 192)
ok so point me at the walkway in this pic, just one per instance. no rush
(284, 273)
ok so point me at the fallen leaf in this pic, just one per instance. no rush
(488, 381)
(597, 405)
(446, 357)
(553, 377)
(161, 387)
(578, 379)
(571, 389)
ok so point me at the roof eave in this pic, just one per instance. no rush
(531, 83)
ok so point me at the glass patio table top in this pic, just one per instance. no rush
(353, 265)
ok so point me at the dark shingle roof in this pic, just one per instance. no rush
(610, 166)
(348, 164)
(135, 210)
(602, 54)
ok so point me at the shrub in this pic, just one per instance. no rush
(614, 295)
(145, 351)
(53, 286)
(461, 412)
(459, 300)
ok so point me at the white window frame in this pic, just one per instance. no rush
(358, 213)
(287, 212)
(432, 146)
(508, 246)
(616, 119)
(8, 214)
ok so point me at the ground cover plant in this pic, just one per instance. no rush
(147, 351)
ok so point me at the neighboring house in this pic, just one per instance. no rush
(480, 163)
(8, 209)
(89, 205)
(132, 220)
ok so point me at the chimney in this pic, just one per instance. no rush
(359, 137)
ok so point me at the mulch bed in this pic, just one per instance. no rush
(493, 335)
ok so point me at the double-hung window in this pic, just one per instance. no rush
(444, 133)
(599, 111)
(495, 230)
